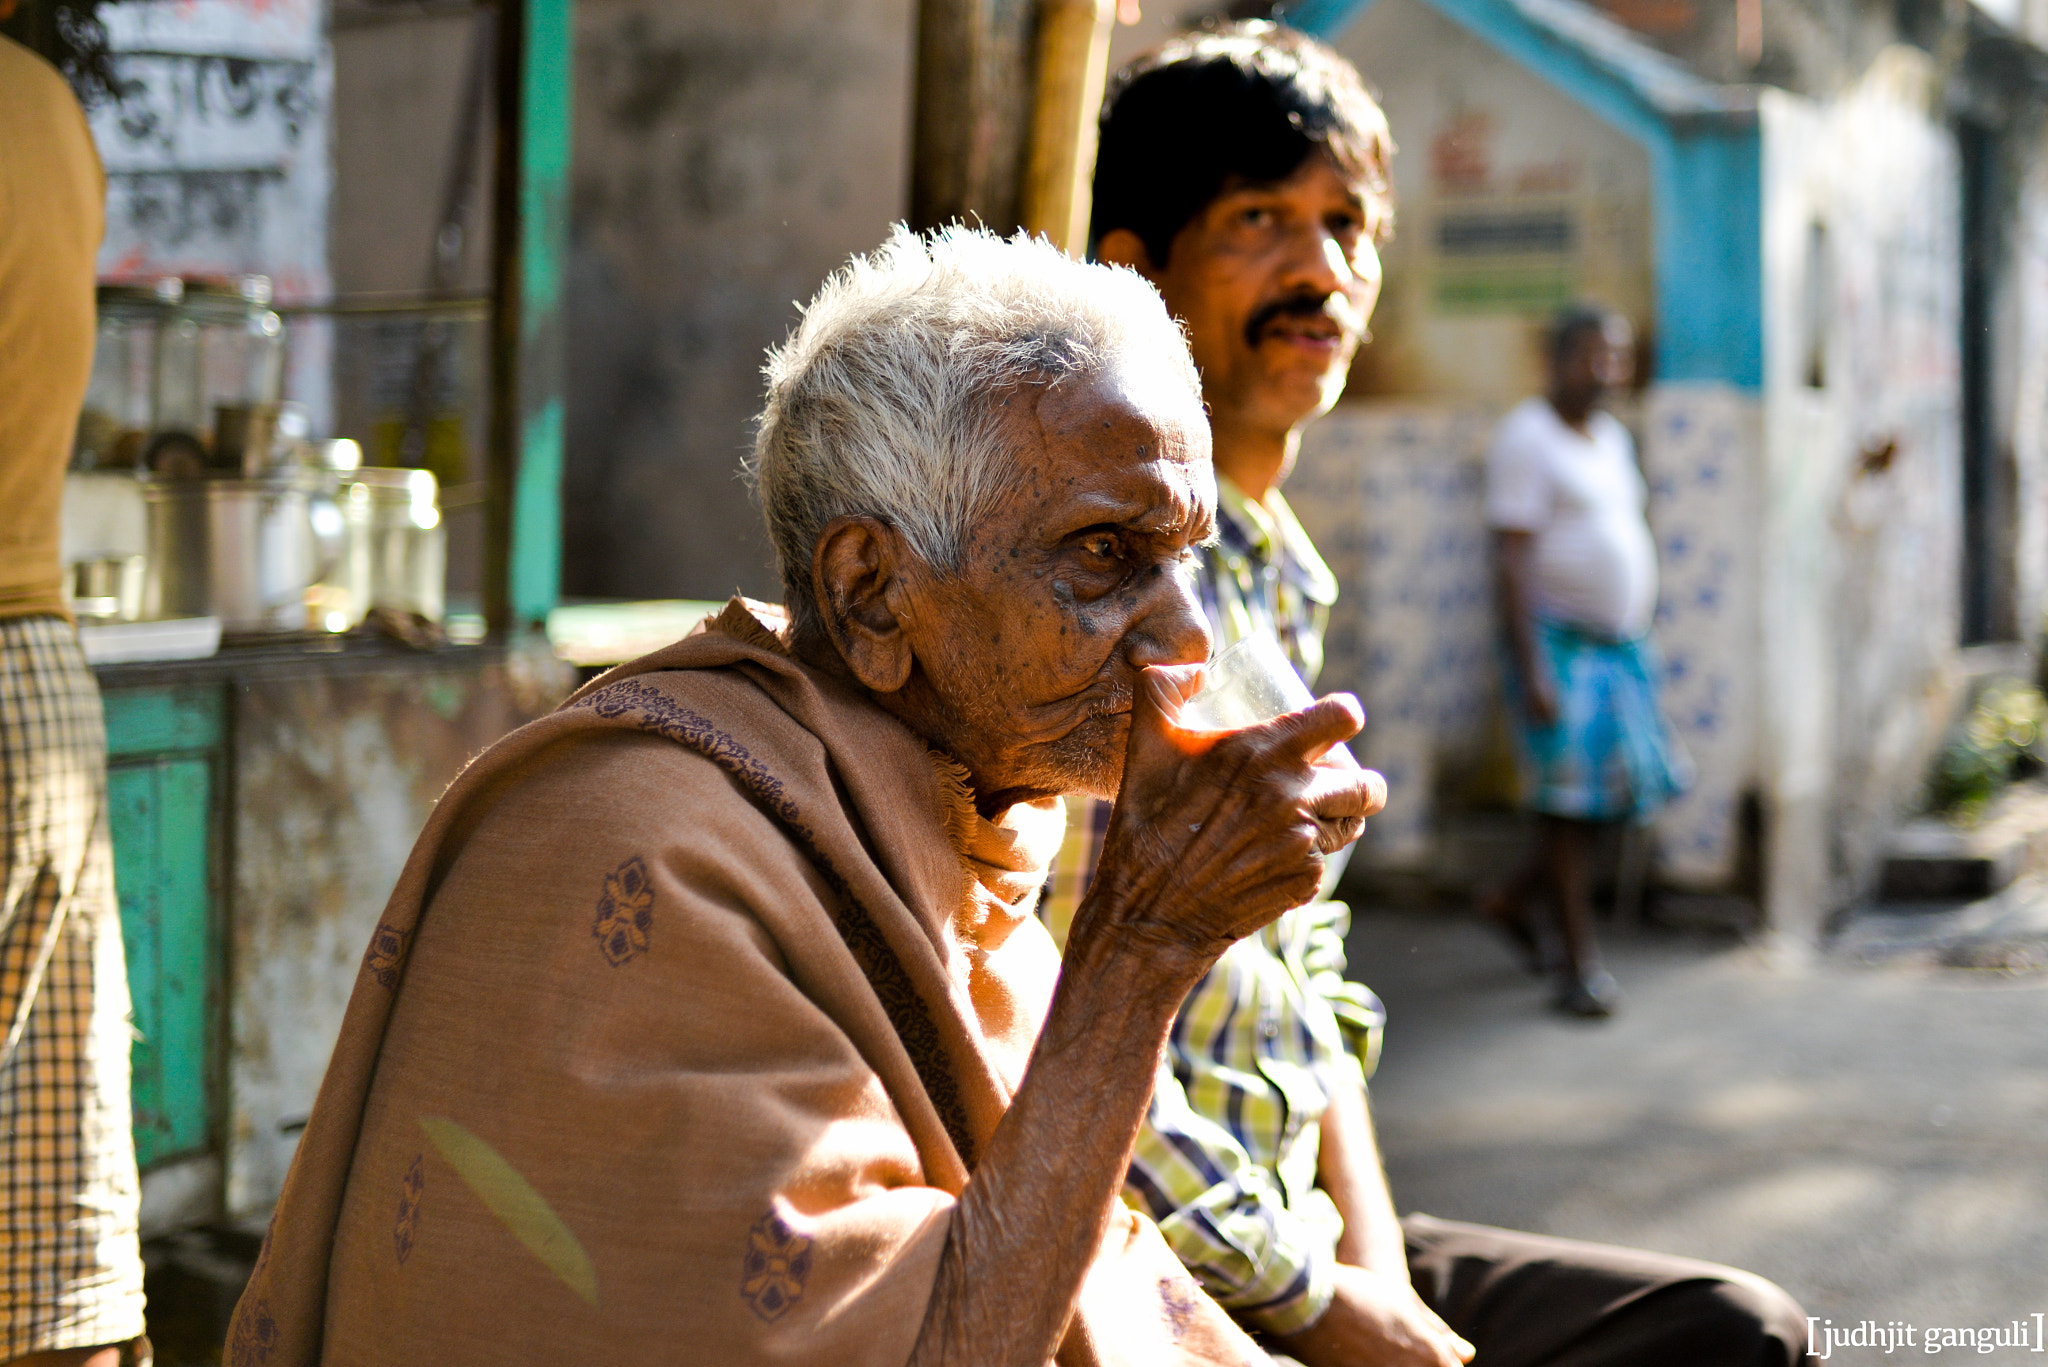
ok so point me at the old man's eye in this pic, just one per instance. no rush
(1103, 547)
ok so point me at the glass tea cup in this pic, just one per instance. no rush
(1243, 685)
(1252, 682)
(1248, 683)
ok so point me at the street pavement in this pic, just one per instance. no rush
(1873, 1137)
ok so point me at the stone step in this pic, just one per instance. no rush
(2007, 931)
(1931, 860)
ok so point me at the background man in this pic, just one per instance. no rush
(70, 1268)
(1244, 172)
(1576, 575)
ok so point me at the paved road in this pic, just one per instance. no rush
(1874, 1139)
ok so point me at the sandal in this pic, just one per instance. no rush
(1593, 997)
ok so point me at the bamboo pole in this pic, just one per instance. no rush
(1072, 65)
(973, 111)
(1008, 92)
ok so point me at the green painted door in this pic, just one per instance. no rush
(162, 747)
(158, 810)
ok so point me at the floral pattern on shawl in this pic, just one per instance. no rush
(625, 912)
(777, 1264)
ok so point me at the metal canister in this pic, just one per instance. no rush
(242, 550)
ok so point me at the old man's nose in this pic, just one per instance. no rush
(1175, 631)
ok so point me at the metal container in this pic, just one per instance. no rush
(242, 550)
(106, 588)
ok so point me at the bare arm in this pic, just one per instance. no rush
(1349, 1169)
(1514, 585)
(1375, 1317)
(1207, 843)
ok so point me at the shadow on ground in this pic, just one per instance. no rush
(1872, 1138)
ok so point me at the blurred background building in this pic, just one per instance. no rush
(1824, 216)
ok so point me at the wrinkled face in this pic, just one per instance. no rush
(1275, 283)
(1078, 581)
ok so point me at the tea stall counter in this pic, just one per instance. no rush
(261, 803)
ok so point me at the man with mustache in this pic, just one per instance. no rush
(1244, 171)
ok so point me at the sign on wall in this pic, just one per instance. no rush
(216, 149)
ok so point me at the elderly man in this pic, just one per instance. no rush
(1244, 171)
(709, 1023)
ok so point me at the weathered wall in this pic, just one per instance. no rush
(1862, 470)
(217, 153)
(2024, 329)
(726, 161)
(398, 87)
(727, 158)
(334, 774)
(1513, 201)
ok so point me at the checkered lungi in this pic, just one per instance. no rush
(70, 1265)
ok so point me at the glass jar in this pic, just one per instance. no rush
(397, 549)
(195, 367)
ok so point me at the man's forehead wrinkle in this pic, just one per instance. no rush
(1165, 507)
(1133, 487)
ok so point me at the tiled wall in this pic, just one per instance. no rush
(1700, 446)
(1393, 494)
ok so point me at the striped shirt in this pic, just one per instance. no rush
(1226, 1160)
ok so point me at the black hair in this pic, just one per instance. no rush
(69, 35)
(1237, 103)
(1574, 322)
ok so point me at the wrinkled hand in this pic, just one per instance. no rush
(1214, 834)
(1377, 1320)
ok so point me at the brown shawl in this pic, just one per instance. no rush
(677, 1042)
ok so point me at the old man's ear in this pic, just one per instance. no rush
(857, 578)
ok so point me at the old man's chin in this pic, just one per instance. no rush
(1089, 760)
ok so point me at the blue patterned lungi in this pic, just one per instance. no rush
(1611, 755)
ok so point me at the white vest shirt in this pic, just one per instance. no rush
(1581, 495)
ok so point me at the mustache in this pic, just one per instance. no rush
(1333, 307)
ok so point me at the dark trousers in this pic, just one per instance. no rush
(1524, 1300)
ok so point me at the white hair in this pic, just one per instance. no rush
(885, 400)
